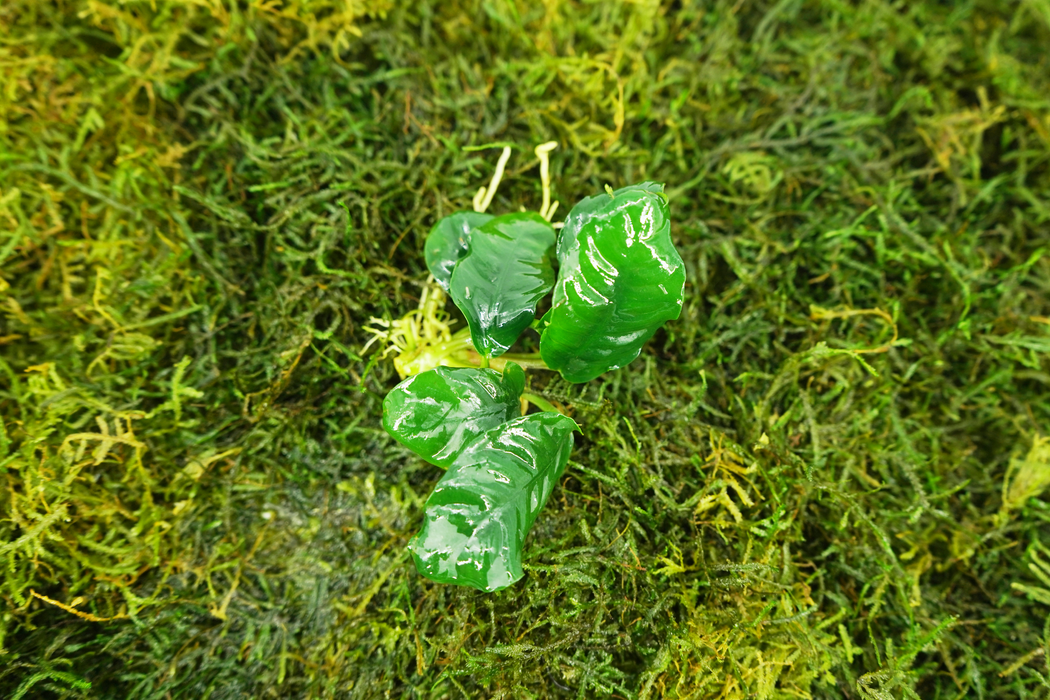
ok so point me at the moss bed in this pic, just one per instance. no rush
(824, 480)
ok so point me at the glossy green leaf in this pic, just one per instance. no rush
(449, 241)
(481, 510)
(620, 279)
(502, 278)
(437, 413)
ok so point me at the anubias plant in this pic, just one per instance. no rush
(619, 278)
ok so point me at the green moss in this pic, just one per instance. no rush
(825, 479)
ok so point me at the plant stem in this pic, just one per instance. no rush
(530, 360)
(485, 361)
(542, 403)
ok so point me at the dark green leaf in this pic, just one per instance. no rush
(481, 510)
(449, 241)
(502, 278)
(620, 279)
(439, 412)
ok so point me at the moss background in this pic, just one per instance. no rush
(824, 480)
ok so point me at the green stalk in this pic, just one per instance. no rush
(530, 360)
(541, 403)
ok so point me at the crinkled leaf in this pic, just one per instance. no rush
(437, 413)
(449, 241)
(480, 512)
(620, 279)
(502, 278)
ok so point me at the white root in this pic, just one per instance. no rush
(546, 211)
(484, 197)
